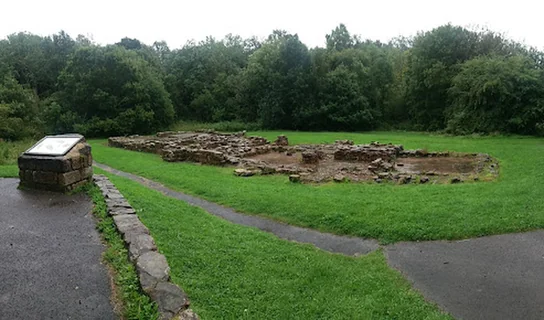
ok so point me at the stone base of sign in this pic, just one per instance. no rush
(57, 173)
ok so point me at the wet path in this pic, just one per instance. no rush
(50, 255)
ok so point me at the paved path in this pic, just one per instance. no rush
(497, 277)
(326, 241)
(50, 257)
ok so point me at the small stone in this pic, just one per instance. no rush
(188, 314)
(404, 179)
(282, 141)
(339, 178)
(344, 142)
(423, 179)
(243, 173)
(456, 180)
(378, 180)
(295, 178)
(383, 175)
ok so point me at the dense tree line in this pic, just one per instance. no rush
(448, 79)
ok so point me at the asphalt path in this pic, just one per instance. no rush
(50, 257)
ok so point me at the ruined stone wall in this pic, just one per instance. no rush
(57, 173)
(367, 153)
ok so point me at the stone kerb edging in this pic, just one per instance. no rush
(152, 267)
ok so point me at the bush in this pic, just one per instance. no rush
(18, 110)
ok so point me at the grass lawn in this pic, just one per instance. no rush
(386, 212)
(235, 272)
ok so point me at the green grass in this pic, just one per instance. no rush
(9, 151)
(134, 303)
(390, 213)
(235, 272)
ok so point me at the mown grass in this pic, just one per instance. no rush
(134, 303)
(236, 272)
(389, 213)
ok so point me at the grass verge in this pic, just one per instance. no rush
(133, 302)
(235, 272)
(390, 213)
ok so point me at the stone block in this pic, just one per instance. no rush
(170, 299)
(113, 194)
(152, 268)
(115, 211)
(69, 178)
(117, 203)
(77, 162)
(53, 164)
(129, 223)
(139, 244)
(44, 177)
(86, 172)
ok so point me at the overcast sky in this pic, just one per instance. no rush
(107, 21)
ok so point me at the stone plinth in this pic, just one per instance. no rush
(65, 168)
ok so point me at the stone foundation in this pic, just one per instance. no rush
(341, 161)
(367, 153)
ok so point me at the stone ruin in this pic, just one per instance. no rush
(56, 163)
(341, 161)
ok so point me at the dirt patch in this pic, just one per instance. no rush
(447, 165)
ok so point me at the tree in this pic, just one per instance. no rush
(493, 93)
(432, 63)
(130, 44)
(18, 110)
(340, 39)
(275, 83)
(203, 78)
(110, 91)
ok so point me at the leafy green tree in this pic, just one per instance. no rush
(276, 80)
(18, 110)
(340, 39)
(110, 91)
(497, 94)
(203, 78)
(351, 86)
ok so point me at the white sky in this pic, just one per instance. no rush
(107, 21)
